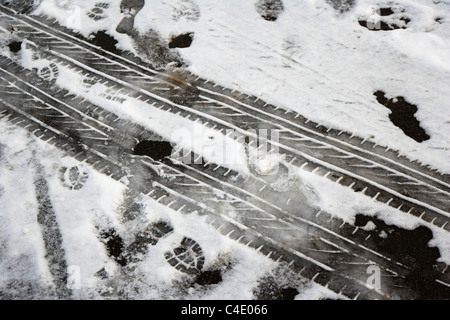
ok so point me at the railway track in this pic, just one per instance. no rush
(314, 243)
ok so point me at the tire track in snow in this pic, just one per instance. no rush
(407, 185)
(162, 196)
(51, 234)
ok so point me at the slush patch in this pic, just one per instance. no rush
(154, 49)
(98, 11)
(402, 116)
(268, 289)
(186, 9)
(114, 246)
(104, 41)
(384, 12)
(209, 277)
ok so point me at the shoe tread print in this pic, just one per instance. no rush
(187, 257)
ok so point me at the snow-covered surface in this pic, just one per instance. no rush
(312, 59)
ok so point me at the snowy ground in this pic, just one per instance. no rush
(314, 59)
